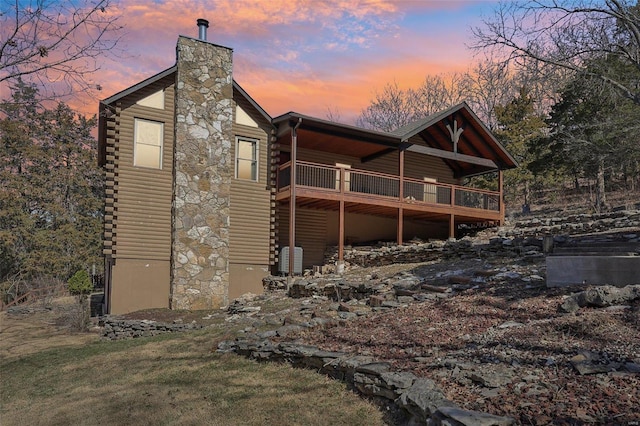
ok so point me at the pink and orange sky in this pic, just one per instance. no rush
(305, 55)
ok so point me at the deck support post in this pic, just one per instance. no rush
(340, 264)
(452, 217)
(501, 199)
(401, 195)
(452, 226)
(292, 200)
(400, 225)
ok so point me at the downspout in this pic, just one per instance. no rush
(292, 198)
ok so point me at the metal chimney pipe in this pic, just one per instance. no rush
(203, 24)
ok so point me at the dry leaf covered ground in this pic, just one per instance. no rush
(496, 343)
(501, 346)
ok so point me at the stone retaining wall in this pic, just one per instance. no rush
(524, 240)
(576, 224)
(419, 399)
(118, 329)
(465, 248)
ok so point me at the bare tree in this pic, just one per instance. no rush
(391, 108)
(569, 35)
(489, 84)
(394, 107)
(439, 92)
(333, 114)
(56, 44)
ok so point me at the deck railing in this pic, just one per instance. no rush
(328, 178)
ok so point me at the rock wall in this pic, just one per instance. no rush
(419, 399)
(576, 224)
(203, 168)
(118, 329)
(525, 239)
(465, 248)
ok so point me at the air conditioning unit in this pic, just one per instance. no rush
(283, 261)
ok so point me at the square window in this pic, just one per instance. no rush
(247, 159)
(147, 137)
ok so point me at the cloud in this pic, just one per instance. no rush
(347, 86)
(307, 55)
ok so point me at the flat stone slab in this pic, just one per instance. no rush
(456, 416)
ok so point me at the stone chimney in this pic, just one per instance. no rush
(202, 175)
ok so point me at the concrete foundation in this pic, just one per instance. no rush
(592, 270)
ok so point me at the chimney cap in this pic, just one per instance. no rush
(203, 24)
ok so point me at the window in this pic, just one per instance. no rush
(247, 159)
(147, 136)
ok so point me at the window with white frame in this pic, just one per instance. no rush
(147, 147)
(247, 159)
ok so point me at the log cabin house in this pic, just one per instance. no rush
(206, 193)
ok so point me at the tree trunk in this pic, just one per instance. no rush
(601, 197)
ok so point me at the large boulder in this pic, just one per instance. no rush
(601, 297)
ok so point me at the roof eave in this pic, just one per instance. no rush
(344, 128)
(140, 85)
(433, 119)
(253, 103)
(499, 145)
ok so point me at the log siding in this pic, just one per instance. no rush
(138, 207)
(250, 207)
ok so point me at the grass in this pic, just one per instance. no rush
(175, 379)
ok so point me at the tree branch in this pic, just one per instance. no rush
(57, 44)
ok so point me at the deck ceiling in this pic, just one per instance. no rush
(334, 143)
(336, 138)
(475, 141)
(477, 150)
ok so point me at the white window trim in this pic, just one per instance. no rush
(136, 143)
(235, 164)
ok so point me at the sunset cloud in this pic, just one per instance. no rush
(307, 55)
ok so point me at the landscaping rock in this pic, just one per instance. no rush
(422, 399)
(118, 329)
(600, 297)
(452, 416)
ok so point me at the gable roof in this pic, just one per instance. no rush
(476, 140)
(105, 103)
(478, 151)
(144, 83)
(253, 103)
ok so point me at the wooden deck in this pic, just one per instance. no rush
(325, 187)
